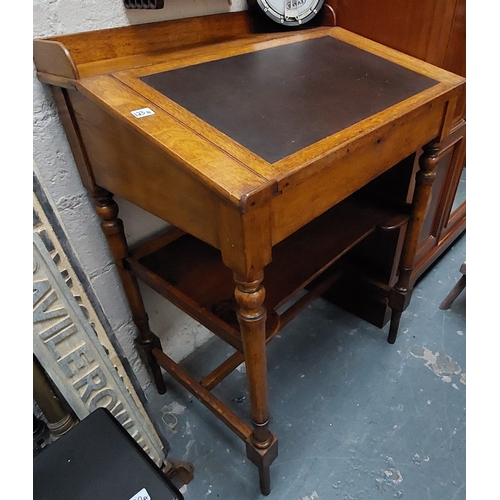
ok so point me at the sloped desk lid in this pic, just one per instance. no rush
(254, 116)
(280, 100)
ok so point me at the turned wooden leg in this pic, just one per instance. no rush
(262, 447)
(401, 293)
(107, 209)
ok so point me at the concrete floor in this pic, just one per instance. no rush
(356, 417)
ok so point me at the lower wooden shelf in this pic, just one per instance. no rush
(190, 273)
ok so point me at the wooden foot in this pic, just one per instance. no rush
(112, 226)
(394, 326)
(179, 472)
(263, 460)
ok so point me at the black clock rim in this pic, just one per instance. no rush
(290, 23)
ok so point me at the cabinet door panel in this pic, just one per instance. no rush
(445, 219)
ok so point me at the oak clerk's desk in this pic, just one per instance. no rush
(254, 147)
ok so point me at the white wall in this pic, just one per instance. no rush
(178, 333)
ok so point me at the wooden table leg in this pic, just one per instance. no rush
(401, 293)
(262, 447)
(112, 226)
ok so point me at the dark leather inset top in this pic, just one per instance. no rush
(277, 101)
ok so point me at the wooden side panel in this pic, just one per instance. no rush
(151, 37)
(54, 58)
(182, 143)
(127, 164)
(299, 205)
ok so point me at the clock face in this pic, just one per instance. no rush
(290, 12)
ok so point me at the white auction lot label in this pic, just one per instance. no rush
(141, 495)
(140, 113)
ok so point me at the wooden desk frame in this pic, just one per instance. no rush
(234, 215)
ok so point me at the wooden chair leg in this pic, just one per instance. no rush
(454, 293)
(112, 226)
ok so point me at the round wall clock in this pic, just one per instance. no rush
(290, 12)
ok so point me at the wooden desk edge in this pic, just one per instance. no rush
(61, 55)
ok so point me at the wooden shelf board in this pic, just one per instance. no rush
(193, 272)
